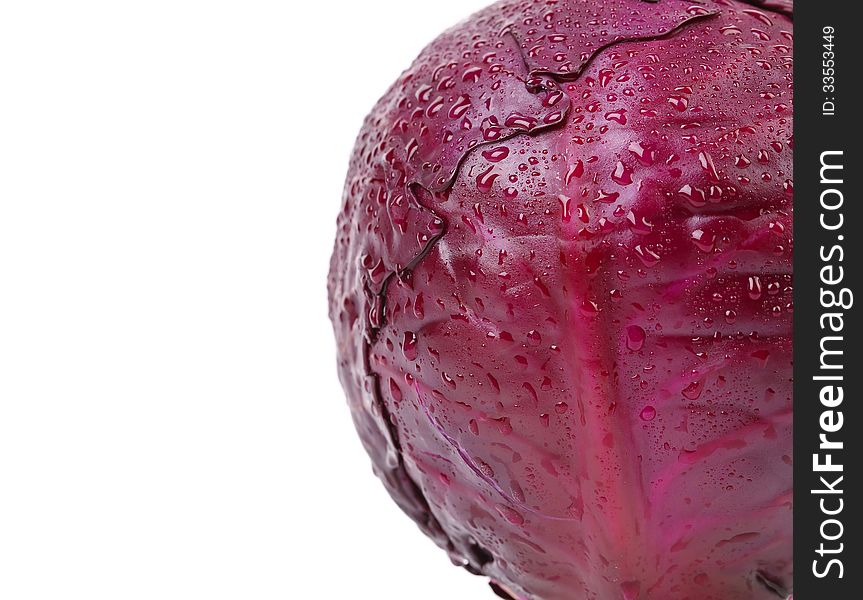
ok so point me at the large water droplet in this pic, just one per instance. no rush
(409, 345)
(618, 116)
(706, 162)
(679, 102)
(635, 337)
(644, 154)
(574, 172)
(754, 288)
(648, 413)
(622, 174)
(485, 180)
(647, 256)
(630, 590)
(695, 196)
(694, 389)
(638, 224)
(606, 197)
(703, 240)
(496, 154)
(565, 202)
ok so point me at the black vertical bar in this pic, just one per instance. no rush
(828, 262)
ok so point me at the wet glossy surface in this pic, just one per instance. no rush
(561, 292)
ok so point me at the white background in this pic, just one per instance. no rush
(171, 423)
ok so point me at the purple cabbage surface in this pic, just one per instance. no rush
(561, 294)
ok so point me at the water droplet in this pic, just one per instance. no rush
(376, 313)
(757, 14)
(491, 132)
(761, 35)
(635, 337)
(706, 162)
(679, 102)
(436, 226)
(574, 172)
(520, 121)
(517, 492)
(630, 590)
(460, 107)
(606, 197)
(447, 379)
(703, 241)
(605, 76)
(493, 382)
(565, 202)
(583, 213)
(589, 309)
(693, 390)
(693, 195)
(647, 256)
(530, 390)
(754, 287)
(485, 180)
(639, 225)
(477, 211)
(618, 116)
(472, 75)
(395, 390)
(622, 174)
(510, 514)
(496, 154)
(648, 413)
(378, 272)
(423, 93)
(644, 154)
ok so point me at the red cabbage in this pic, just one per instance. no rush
(561, 293)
